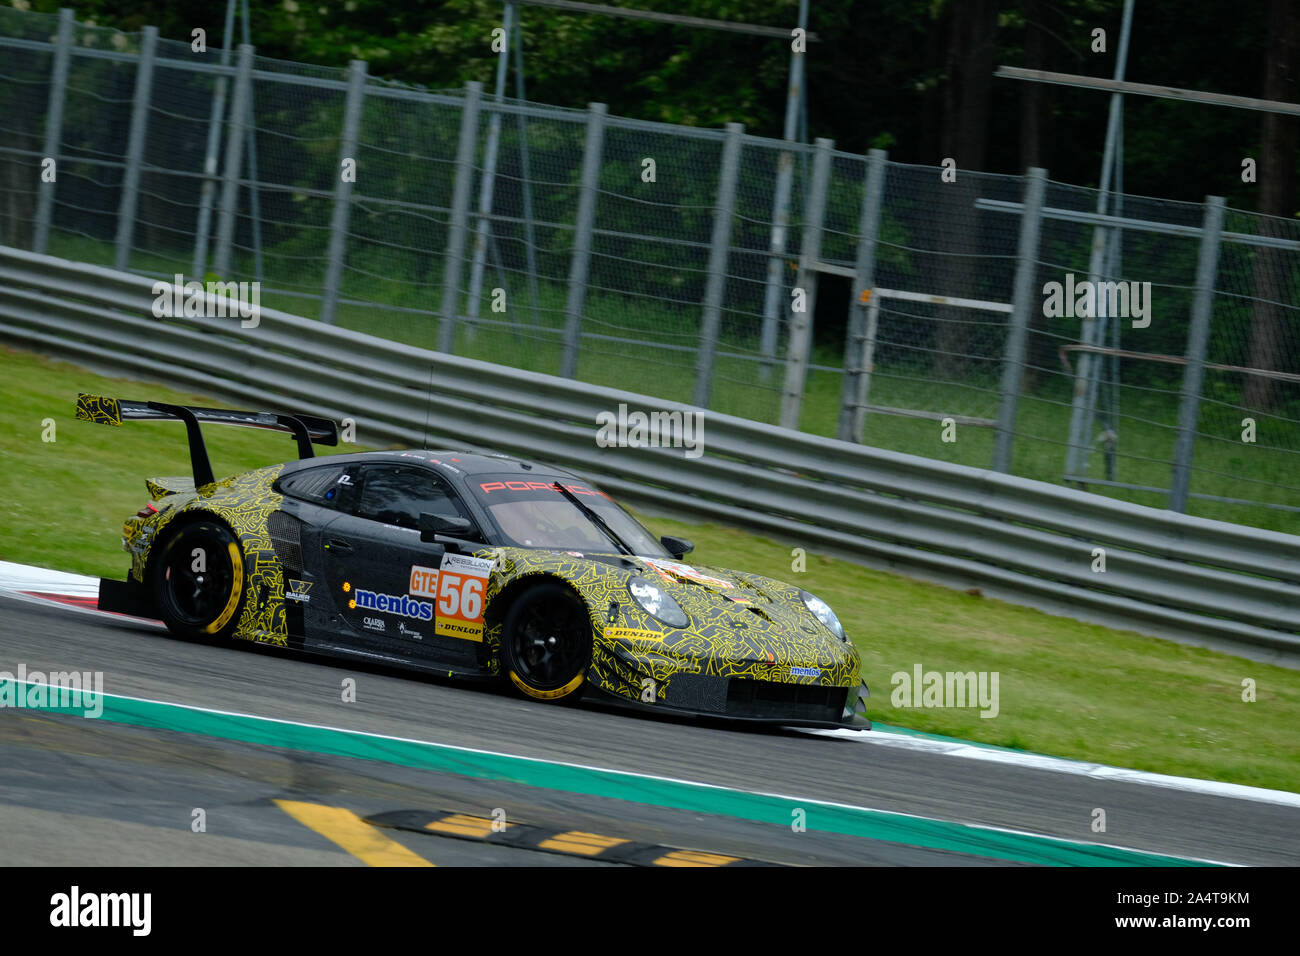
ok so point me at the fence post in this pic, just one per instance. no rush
(856, 361)
(338, 247)
(868, 363)
(582, 238)
(231, 163)
(1198, 337)
(719, 247)
(53, 130)
(1024, 299)
(810, 251)
(487, 181)
(465, 150)
(1091, 334)
(135, 149)
(776, 263)
(254, 194)
(198, 265)
(796, 115)
(525, 174)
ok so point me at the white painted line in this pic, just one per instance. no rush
(1097, 771)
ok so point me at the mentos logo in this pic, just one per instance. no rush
(405, 605)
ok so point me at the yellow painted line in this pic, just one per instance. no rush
(694, 858)
(353, 834)
(576, 841)
(462, 825)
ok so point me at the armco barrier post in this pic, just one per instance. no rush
(1198, 337)
(853, 392)
(231, 164)
(338, 248)
(1025, 298)
(719, 248)
(796, 369)
(53, 130)
(451, 267)
(135, 149)
(583, 228)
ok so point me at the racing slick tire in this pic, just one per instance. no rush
(546, 643)
(198, 581)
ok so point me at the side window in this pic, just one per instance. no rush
(397, 494)
(320, 486)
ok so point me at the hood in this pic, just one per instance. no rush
(756, 617)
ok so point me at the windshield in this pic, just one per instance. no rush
(532, 514)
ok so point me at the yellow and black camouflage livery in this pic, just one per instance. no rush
(751, 648)
(752, 630)
(243, 503)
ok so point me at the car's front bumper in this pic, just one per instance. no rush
(851, 716)
(652, 683)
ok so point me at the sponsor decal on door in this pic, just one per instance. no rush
(457, 586)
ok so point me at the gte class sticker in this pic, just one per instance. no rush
(424, 582)
(457, 586)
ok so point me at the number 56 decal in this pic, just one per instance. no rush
(458, 586)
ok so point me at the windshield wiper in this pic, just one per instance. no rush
(594, 518)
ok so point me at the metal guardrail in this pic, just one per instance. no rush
(1200, 577)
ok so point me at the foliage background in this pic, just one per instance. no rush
(912, 76)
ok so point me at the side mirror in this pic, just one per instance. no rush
(432, 525)
(677, 547)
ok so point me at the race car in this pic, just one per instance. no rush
(469, 565)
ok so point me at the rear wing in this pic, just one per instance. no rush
(305, 429)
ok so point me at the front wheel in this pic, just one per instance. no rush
(198, 581)
(546, 643)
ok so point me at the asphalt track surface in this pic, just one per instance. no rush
(83, 792)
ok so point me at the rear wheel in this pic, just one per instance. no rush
(546, 643)
(198, 581)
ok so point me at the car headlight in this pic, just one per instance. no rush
(656, 602)
(822, 611)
